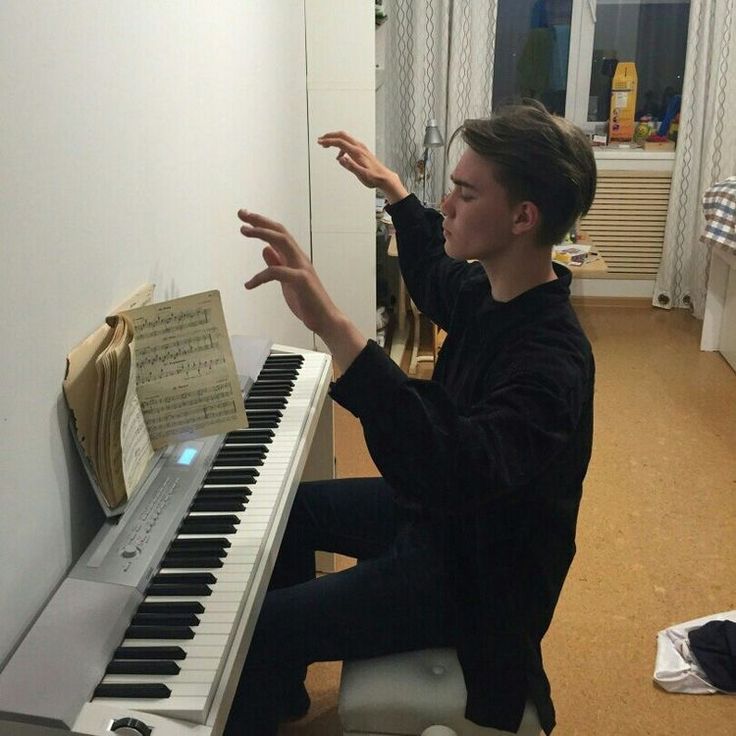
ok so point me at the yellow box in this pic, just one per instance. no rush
(623, 102)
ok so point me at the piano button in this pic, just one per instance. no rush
(159, 632)
(142, 667)
(124, 690)
(164, 652)
(170, 562)
(189, 591)
(170, 619)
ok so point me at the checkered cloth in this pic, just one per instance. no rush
(719, 207)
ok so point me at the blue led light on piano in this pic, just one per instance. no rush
(187, 456)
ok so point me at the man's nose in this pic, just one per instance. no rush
(445, 203)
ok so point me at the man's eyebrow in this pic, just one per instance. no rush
(461, 183)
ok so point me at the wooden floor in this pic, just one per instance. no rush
(656, 534)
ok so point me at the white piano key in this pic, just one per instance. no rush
(192, 709)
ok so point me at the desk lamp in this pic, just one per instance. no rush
(432, 139)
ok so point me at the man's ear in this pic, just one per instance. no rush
(526, 218)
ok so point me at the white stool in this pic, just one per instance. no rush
(411, 693)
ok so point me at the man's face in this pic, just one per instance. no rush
(478, 215)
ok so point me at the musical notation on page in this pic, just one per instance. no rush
(185, 372)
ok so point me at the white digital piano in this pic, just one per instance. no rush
(147, 634)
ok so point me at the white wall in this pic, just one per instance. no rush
(130, 133)
(341, 93)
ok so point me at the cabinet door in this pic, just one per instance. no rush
(728, 322)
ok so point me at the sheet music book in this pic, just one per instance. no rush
(154, 374)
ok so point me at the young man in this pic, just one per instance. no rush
(467, 537)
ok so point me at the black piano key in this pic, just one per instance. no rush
(170, 562)
(278, 371)
(266, 402)
(209, 529)
(142, 667)
(159, 632)
(284, 358)
(224, 492)
(234, 449)
(154, 690)
(272, 388)
(248, 461)
(177, 562)
(205, 545)
(188, 554)
(234, 481)
(250, 436)
(263, 423)
(218, 504)
(185, 591)
(266, 413)
(170, 619)
(194, 519)
(231, 474)
(153, 652)
(188, 578)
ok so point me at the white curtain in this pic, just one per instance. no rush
(440, 66)
(706, 151)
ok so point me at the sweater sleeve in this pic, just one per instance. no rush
(432, 278)
(444, 460)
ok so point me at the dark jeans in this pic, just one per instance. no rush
(395, 599)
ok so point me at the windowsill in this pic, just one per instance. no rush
(635, 153)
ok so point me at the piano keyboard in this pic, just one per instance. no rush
(183, 637)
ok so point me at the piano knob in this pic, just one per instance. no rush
(129, 551)
(130, 727)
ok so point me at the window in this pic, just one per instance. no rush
(564, 53)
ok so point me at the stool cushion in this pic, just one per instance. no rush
(409, 692)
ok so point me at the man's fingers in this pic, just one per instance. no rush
(279, 240)
(336, 138)
(346, 145)
(282, 274)
(271, 257)
(256, 220)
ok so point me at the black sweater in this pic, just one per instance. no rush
(494, 449)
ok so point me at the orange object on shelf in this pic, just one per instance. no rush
(623, 102)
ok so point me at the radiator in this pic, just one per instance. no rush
(627, 220)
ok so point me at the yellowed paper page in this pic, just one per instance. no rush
(186, 381)
(137, 450)
(80, 388)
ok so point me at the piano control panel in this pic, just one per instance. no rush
(125, 548)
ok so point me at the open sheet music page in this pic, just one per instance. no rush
(186, 380)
